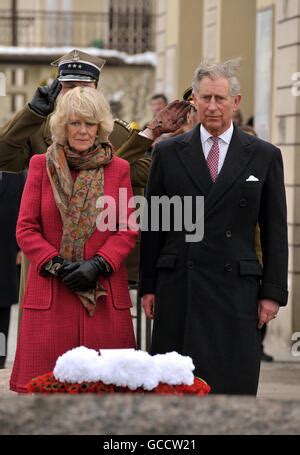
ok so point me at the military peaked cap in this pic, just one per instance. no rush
(78, 66)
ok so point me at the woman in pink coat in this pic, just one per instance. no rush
(77, 284)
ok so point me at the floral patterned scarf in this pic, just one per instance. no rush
(76, 201)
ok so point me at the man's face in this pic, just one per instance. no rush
(215, 105)
(157, 105)
(68, 85)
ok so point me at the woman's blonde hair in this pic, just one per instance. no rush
(87, 103)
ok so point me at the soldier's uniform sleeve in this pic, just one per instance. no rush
(133, 150)
(15, 149)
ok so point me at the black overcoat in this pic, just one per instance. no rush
(207, 291)
(11, 187)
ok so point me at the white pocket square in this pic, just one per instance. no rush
(252, 178)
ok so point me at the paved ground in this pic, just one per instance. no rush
(280, 380)
(4, 378)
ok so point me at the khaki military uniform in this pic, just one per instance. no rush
(28, 133)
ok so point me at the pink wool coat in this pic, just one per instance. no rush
(54, 320)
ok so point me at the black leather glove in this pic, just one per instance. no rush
(67, 268)
(44, 98)
(85, 276)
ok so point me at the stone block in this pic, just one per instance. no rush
(288, 157)
(286, 64)
(290, 199)
(285, 103)
(134, 415)
(288, 32)
(286, 131)
(286, 9)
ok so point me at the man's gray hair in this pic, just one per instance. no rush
(226, 70)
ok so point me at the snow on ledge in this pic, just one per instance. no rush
(147, 58)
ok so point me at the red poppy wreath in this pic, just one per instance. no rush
(83, 370)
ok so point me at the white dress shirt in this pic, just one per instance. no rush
(224, 142)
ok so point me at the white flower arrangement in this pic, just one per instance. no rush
(126, 368)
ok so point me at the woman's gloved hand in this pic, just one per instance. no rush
(56, 267)
(67, 268)
(85, 276)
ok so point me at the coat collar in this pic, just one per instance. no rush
(239, 153)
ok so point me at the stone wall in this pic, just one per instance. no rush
(134, 415)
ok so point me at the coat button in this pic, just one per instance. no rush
(190, 264)
(243, 202)
(228, 267)
(228, 234)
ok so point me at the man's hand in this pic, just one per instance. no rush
(44, 98)
(19, 258)
(267, 310)
(168, 120)
(148, 302)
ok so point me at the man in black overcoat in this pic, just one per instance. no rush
(11, 187)
(209, 297)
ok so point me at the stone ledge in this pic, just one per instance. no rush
(134, 415)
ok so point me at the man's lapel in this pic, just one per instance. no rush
(191, 155)
(239, 153)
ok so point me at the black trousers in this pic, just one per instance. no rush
(4, 326)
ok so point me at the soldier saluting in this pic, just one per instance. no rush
(28, 133)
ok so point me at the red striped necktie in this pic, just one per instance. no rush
(213, 158)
